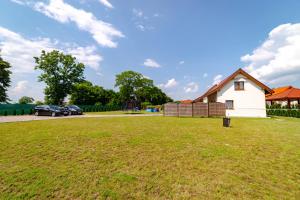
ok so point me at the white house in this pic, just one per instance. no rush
(243, 95)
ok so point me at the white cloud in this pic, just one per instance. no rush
(151, 63)
(137, 12)
(205, 75)
(181, 62)
(18, 2)
(191, 87)
(102, 32)
(217, 79)
(20, 87)
(20, 51)
(106, 3)
(170, 84)
(99, 74)
(141, 21)
(140, 27)
(147, 77)
(277, 60)
(86, 55)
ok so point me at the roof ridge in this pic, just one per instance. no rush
(227, 79)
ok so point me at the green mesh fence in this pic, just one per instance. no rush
(27, 109)
(16, 109)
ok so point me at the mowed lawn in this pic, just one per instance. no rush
(150, 158)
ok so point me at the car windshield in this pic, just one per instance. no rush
(73, 106)
(55, 107)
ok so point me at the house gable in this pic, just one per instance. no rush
(235, 75)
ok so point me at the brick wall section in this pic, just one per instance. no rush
(195, 109)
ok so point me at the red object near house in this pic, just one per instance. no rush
(187, 101)
(288, 94)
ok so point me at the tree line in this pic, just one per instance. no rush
(64, 77)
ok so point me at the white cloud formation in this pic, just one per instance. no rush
(20, 87)
(151, 63)
(140, 27)
(141, 21)
(106, 3)
(181, 62)
(102, 32)
(137, 12)
(20, 51)
(147, 77)
(191, 87)
(217, 79)
(277, 60)
(18, 2)
(170, 84)
(86, 55)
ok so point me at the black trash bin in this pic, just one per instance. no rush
(226, 122)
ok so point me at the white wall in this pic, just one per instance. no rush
(249, 102)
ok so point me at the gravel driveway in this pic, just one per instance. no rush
(23, 118)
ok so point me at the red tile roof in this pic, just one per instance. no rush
(219, 86)
(186, 101)
(279, 90)
(284, 93)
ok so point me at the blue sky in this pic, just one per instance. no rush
(184, 46)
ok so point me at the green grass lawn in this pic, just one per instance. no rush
(121, 113)
(150, 158)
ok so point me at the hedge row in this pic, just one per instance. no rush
(18, 109)
(93, 108)
(284, 112)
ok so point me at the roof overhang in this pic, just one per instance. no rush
(219, 86)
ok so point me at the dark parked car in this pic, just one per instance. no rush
(49, 110)
(73, 110)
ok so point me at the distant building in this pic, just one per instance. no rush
(243, 95)
(285, 96)
(186, 101)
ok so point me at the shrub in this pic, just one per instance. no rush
(145, 105)
(284, 112)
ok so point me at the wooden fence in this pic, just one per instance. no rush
(194, 109)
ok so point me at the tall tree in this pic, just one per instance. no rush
(86, 93)
(60, 72)
(4, 80)
(26, 100)
(134, 86)
(154, 95)
(129, 82)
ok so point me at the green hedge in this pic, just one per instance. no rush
(27, 109)
(284, 112)
(99, 108)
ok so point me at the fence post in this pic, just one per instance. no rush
(208, 114)
(177, 109)
(192, 109)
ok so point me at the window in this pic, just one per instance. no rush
(229, 104)
(239, 85)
